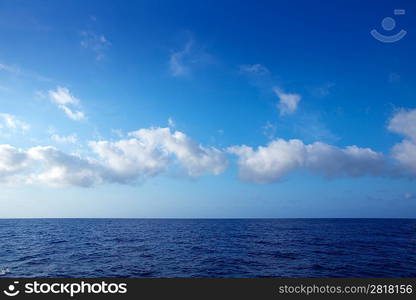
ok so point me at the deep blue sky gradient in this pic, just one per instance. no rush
(350, 85)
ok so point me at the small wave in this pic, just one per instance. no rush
(4, 271)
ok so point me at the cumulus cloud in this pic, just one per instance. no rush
(150, 151)
(272, 162)
(12, 162)
(268, 164)
(405, 154)
(53, 167)
(47, 165)
(146, 153)
(11, 124)
(66, 101)
(288, 103)
(404, 122)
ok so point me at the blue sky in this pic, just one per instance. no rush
(209, 109)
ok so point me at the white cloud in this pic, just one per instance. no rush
(62, 96)
(405, 154)
(53, 167)
(64, 100)
(117, 132)
(404, 122)
(279, 157)
(268, 164)
(272, 162)
(74, 115)
(150, 152)
(288, 103)
(12, 162)
(147, 153)
(47, 165)
(255, 69)
(11, 124)
(353, 161)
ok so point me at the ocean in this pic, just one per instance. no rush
(207, 248)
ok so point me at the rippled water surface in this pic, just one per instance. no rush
(208, 248)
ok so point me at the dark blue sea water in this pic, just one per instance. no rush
(208, 248)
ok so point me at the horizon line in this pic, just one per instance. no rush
(210, 218)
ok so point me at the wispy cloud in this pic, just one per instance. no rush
(309, 126)
(10, 124)
(117, 132)
(183, 62)
(10, 69)
(177, 64)
(65, 100)
(19, 72)
(288, 103)
(255, 69)
(97, 43)
(171, 122)
(269, 130)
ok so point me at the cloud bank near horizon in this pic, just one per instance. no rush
(146, 153)
(150, 152)
(270, 163)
